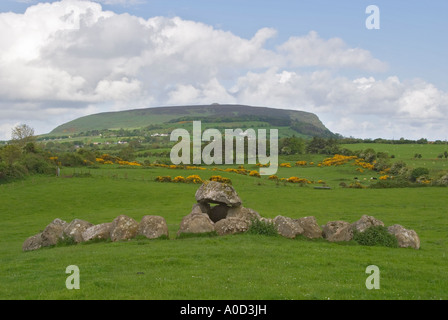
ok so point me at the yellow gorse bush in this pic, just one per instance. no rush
(298, 180)
(194, 179)
(220, 179)
(254, 173)
(285, 165)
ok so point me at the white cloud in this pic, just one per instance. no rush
(66, 59)
(311, 50)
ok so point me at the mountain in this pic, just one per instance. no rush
(289, 122)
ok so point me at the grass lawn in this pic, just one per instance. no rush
(231, 267)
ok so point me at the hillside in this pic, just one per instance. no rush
(288, 122)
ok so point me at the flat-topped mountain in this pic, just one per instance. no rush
(288, 122)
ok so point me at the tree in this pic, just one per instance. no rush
(22, 134)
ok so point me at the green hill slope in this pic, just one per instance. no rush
(288, 121)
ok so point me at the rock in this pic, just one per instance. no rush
(366, 222)
(153, 227)
(75, 229)
(219, 193)
(337, 231)
(53, 232)
(123, 228)
(406, 238)
(243, 213)
(218, 212)
(231, 225)
(196, 222)
(204, 207)
(266, 220)
(310, 227)
(287, 227)
(33, 242)
(99, 231)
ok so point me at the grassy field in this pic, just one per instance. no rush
(231, 267)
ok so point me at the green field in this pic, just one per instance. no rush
(239, 266)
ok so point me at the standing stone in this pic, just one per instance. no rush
(53, 232)
(75, 229)
(366, 222)
(406, 238)
(123, 228)
(231, 226)
(219, 193)
(335, 231)
(310, 227)
(99, 231)
(33, 242)
(243, 213)
(196, 222)
(287, 227)
(152, 227)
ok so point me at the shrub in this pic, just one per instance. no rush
(265, 228)
(179, 179)
(220, 179)
(376, 236)
(418, 172)
(163, 179)
(193, 179)
(254, 173)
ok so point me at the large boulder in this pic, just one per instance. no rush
(287, 227)
(196, 222)
(243, 213)
(310, 227)
(219, 193)
(406, 238)
(53, 232)
(99, 231)
(123, 228)
(366, 222)
(33, 242)
(335, 231)
(231, 225)
(75, 229)
(152, 227)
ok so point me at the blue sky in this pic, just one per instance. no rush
(405, 64)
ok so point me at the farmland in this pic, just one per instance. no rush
(240, 266)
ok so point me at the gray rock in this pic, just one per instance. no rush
(52, 233)
(196, 222)
(310, 227)
(219, 193)
(231, 226)
(406, 238)
(287, 227)
(75, 229)
(366, 222)
(335, 231)
(33, 243)
(152, 227)
(123, 228)
(243, 213)
(99, 231)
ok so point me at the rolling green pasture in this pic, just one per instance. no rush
(231, 267)
(406, 153)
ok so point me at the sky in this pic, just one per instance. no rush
(60, 60)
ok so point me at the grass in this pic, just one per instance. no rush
(244, 266)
